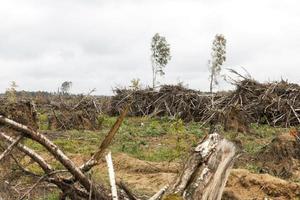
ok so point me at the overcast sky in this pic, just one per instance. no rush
(103, 44)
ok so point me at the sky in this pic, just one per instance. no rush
(105, 44)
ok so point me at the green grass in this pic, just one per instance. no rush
(53, 195)
(153, 139)
(43, 121)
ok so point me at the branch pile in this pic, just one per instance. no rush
(22, 111)
(74, 114)
(275, 103)
(173, 101)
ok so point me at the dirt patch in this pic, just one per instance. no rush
(243, 185)
(148, 177)
(142, 177)
(129, 164)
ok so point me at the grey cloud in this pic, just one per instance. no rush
(100, 44)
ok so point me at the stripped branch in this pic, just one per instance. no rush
(10, 147)
(57, 153)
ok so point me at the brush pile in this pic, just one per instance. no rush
(80, 114)
(173, 101)
(21, 111)
(276, 103)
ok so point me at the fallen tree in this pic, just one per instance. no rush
(203, 176)
(66, 185)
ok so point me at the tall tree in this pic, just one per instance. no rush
(218, 57)
(160, 56)
(65, 87)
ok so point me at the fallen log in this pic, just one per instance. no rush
(10, 148)
(203, 177)
(68, 186)
(57, 153)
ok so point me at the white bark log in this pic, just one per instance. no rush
(29, 152)
(57, 153)
(112, 178)
(10, 147)
(159, 194)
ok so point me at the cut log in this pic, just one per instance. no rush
(112, 178)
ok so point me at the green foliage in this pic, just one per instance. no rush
(34, 145)
(160, 56)
(35, 168)
(107, 121)
(218, 58)
(135, 84)
(196, 129)
(43, 121)
(154, 128)
(177, 126)
(65, 87)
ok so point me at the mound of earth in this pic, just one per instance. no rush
(245, 185)
(146, 177)
(281, 157)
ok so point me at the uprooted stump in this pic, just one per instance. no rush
(281, 157)
(22, 111)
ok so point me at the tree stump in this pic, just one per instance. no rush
(206, 171)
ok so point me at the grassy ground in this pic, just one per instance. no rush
(148, 139)
(154, 139)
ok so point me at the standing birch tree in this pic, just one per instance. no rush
(160, 56)
(218, 57)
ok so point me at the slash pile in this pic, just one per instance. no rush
(81, 114)
(275, 103)
(173, 101)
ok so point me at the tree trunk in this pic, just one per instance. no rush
(153, 76)
(211, 88)
(206, 171)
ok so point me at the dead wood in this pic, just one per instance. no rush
(105, 143)
(66, 185)
(10, 147)
(206, 171)
(129, 193)
(57, 153)
(274, 103)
